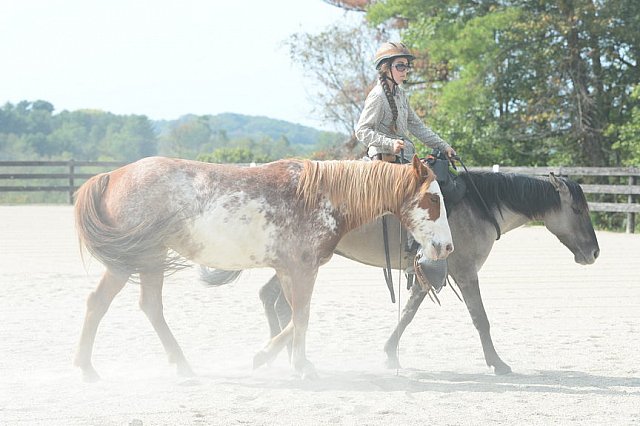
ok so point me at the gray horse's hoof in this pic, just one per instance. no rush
(90, 375)
(501, 369)
(392, 363)
(184, 370)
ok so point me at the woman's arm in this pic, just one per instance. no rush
(425, 134)
(370, 117)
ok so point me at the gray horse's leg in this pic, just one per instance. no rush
(471, 295)
(276, 308)
(409, 311)
(270, 295)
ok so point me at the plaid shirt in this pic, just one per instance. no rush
(374, 127)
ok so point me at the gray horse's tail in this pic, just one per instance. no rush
(218, 277)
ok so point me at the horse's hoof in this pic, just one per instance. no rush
(90, 375)
(501, 369)
(392, 363)
(308, 372)
(184, 370)
(261, 358)
(310, 375)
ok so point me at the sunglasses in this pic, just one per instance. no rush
(400, 67)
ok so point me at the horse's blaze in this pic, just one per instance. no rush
(431, 203)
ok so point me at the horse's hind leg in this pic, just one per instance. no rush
(151, 305)
(97, 305)
(408, 313)
(269, 296)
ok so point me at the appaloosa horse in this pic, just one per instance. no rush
(147, 217)
(512, 199)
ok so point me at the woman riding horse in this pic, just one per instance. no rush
(387, 117)
(383, 126)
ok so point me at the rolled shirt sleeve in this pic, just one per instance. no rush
(422, 132)
(368, 129)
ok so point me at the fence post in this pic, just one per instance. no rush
(71, 180)
(631, 217)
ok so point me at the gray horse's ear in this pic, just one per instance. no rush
(558, 184)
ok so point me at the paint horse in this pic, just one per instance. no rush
(148, 217)
(513, 200)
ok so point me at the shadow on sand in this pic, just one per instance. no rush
(546, 381)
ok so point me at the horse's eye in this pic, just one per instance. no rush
(576, 210)
(435, 199)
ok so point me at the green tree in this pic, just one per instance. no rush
(526, 81)
(189, 138)
(234, 155)
(339, 59)
(128, 139)
(627, 147)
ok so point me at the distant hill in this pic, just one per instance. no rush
(32, 130)
(255, 127)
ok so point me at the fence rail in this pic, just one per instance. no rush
(72, 176)
(75, 172)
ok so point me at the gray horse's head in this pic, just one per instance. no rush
(571, 223)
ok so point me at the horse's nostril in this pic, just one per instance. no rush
(449, 248)
(596, 253)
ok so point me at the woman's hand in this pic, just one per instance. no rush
(450, 152)
(398, 145)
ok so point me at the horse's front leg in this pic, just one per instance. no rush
(151, 304)
(471, 294)
(300, 302)
(409, 311)
(97, 305)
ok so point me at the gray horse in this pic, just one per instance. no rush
(512, 199)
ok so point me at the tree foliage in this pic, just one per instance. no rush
(31, 130)
(627, 145)
(339, 59)
(525, 81)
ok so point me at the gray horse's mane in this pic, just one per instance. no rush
(527, 195)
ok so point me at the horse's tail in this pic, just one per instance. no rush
(128, 250)
(218, 277)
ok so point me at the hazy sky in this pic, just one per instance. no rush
(159, 58)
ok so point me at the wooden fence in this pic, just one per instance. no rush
(72, 174)
(69, 175)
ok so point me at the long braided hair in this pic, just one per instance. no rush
(383, 71)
